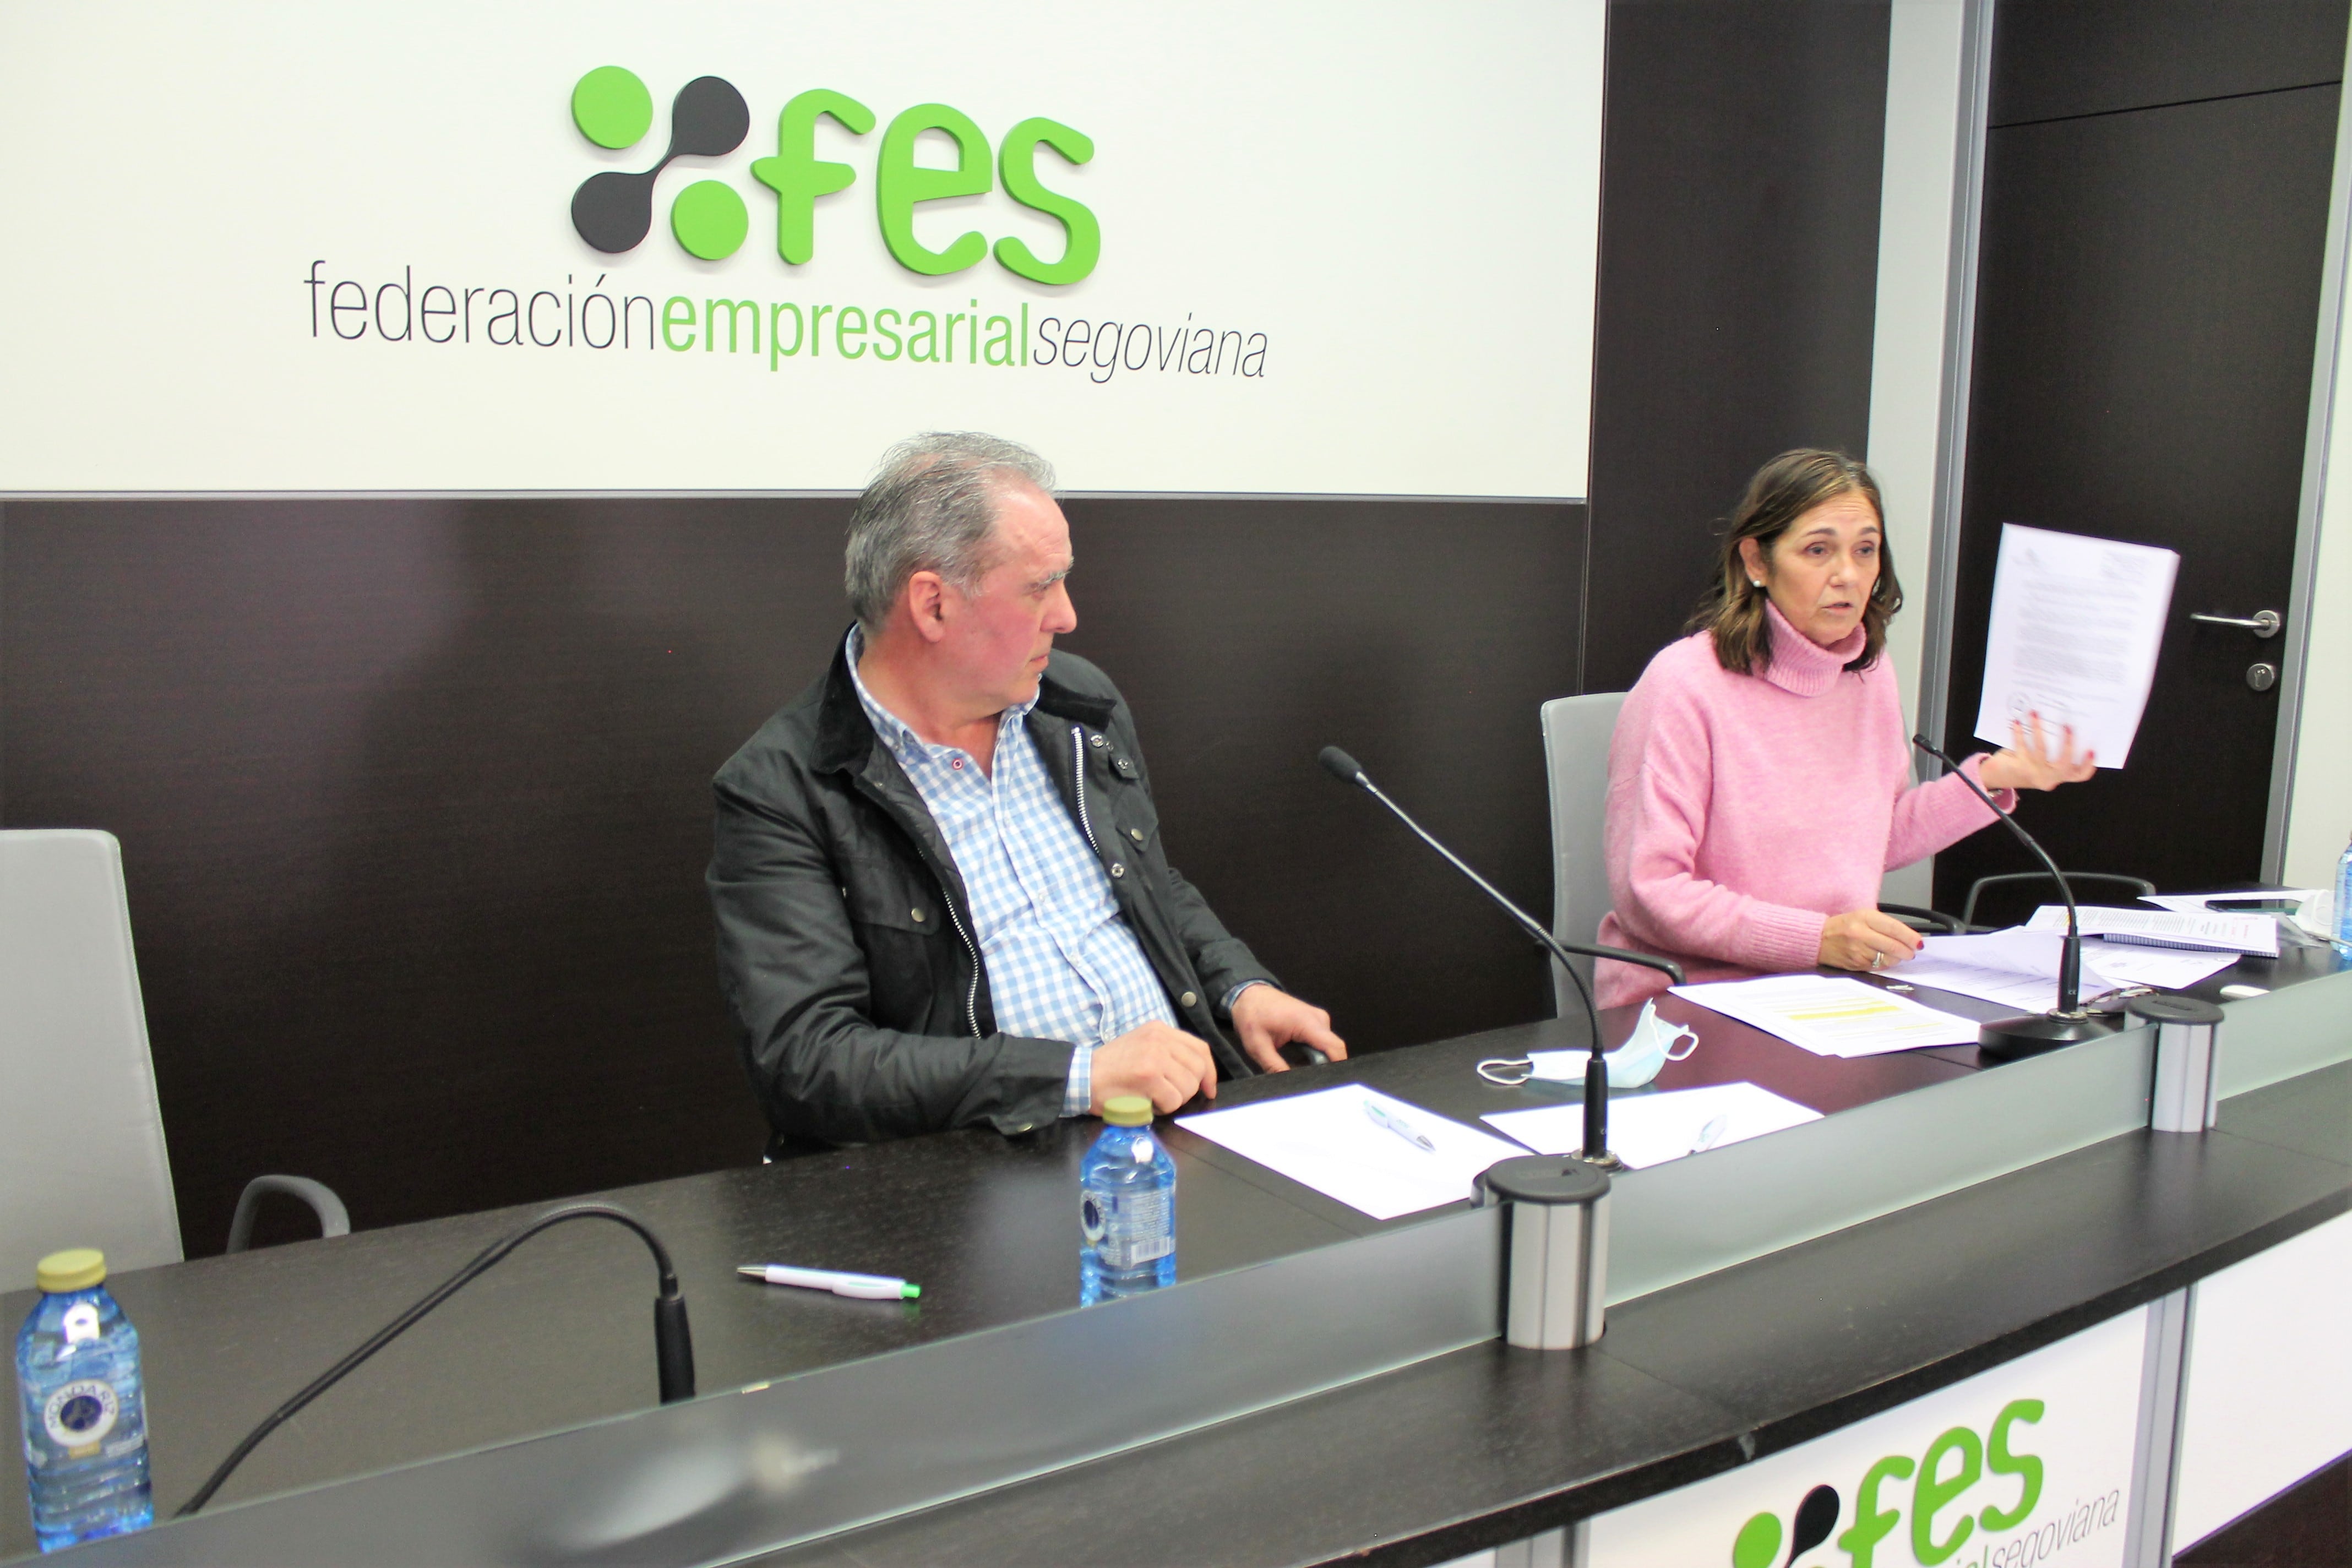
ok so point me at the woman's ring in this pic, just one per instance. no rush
(1877, 958)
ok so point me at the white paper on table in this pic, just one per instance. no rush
(2021, 949)
(2166, 969)
(2212, 933)
(1832, 1016)
(2194, 903)
(1326, 1141)
(2076, 623)
(2019, 968)
(2315, 916)
(2026, 992)
(1647, 1129)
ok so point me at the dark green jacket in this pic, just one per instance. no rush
(846, 942)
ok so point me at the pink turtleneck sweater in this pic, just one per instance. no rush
(1745, 810)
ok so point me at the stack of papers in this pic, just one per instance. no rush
(1647, 1129)
(2196, 904)
(2019, 968)
(1329, 1141)
(2210, 932)
(1831, 1017)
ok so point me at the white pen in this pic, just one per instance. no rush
(865, 1287)
(1398, 1125)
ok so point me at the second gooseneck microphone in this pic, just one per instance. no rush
(2067, 1023)
(1342, 766)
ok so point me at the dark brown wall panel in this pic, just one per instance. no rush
(414, 795)
(2054, 58)
(2145, 311)
(1738, 284)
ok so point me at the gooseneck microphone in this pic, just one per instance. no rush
(2067, 1023)
(1343, 767)
(673, 1343)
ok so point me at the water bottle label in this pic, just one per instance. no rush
(79, 1415)
(1134, 1229)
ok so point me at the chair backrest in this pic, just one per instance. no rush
(1575, 732)
(81, 1138)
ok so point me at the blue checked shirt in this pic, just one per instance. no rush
(1062, 964)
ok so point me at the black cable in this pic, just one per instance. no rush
(674, 1346)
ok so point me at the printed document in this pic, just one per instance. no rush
(2076, 623)
(1832, 1016)
(1647, 1129)
(1328, 1141)
(2019, 968)
(2212, 932)
(2194, 903)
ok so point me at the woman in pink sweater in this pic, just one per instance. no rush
(1759, 780)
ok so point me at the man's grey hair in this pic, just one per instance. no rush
(931, 507)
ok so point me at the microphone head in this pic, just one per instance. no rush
(1341, 765)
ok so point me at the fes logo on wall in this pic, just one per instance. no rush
(612, 212)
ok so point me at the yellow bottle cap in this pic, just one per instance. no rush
(75, 1268)
(1127, 1111)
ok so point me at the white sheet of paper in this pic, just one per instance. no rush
(2016, 951)
(2165, 968)
(2024, 950)
(2019, 968)
(2076, 623)
(1831, 1017)
(2194, 903)
(1647, 1129)
(1326, 1141)
(2026, 992)
(2215, 932)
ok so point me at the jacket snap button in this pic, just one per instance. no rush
(1186, 1000)
(1123, 766)
(917, 914)
(1097, 743)
(1117, 870)
(1136, 834)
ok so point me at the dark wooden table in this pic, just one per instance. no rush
(558, 1335)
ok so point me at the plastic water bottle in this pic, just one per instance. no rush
(2344, 903)
(1126, 1207)
(84, 1412)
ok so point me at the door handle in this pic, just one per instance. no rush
(2262, 622)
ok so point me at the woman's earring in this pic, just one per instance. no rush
(1756, 581)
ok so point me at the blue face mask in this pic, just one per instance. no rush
(1645, 1054)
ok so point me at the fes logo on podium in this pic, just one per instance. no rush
(1937, 1508)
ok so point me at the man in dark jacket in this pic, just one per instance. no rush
(940, 888)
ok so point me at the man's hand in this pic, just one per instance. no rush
(1165, 1065)
(1267, 1019)
(1865, 939)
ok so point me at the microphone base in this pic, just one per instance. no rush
(2006, 1039)
(1606, 1159)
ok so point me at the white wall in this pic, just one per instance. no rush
(1914, 240)
(2319, 809)
(1392, 209)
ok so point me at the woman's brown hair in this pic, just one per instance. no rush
(1783, 491)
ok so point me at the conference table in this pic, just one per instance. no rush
(1947, 1213)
